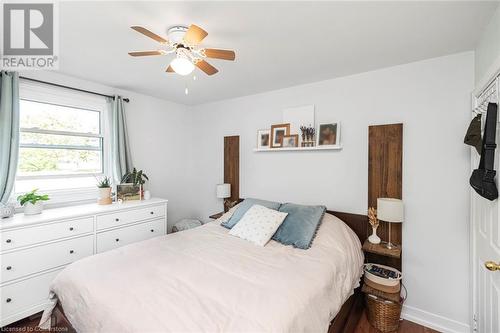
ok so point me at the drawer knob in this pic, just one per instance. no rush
(71, 251)
(151, 213)
(117, 219)
(71, 229)
(9, 268)
(152, 230)
(8, 241)
(118, 239)
(8, 300)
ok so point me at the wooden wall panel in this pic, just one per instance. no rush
(232, 165)
(385, 174)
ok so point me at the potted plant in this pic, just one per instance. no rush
(136, 177)
(104, 186)
(32, 202)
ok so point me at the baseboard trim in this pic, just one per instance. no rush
(434, 321)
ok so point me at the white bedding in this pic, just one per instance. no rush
(205, 280)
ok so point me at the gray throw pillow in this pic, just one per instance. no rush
(300, 225)
(246, 205)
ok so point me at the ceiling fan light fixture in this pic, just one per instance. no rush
(185, 43)
(182, 66)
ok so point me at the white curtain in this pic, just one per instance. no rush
(9, 132)
(121, 160)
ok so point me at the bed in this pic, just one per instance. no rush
(205, 280)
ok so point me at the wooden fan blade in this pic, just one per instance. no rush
(170, 69)
(150, 34)
(194, 35)
(220, 54)
(144, 53)
(206, 67)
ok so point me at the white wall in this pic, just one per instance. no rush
(487, 53)
(157, 129)
(432, 99)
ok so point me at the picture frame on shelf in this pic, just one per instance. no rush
(307, 136)
(328, 134)
(263, 139)
(278, 131)
(128, 192)
(290, 141)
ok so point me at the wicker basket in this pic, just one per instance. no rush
(382, 314)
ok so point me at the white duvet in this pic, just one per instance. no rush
(205, 280)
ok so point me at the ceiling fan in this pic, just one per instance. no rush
(184, 42)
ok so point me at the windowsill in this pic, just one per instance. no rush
(65, 198)
(49, 205)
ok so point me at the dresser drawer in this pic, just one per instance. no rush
(135, 215)
(25, 294)
(24, 262)
(109, 240)
(36, 234)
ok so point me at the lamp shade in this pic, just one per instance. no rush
(390, 210)
(223, 191)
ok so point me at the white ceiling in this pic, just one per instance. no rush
(277, 44)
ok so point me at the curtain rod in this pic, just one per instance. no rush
(72, 88)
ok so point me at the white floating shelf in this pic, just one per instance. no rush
(299, 148)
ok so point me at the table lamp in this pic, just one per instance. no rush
(390, 210)
(224, 192)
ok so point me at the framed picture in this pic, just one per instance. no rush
(328, 134)
(290, 141)
(277, 133)
(263, 139)
(128, 192)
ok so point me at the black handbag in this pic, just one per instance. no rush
(483, 178)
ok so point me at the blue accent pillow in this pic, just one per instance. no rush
(246, 205)
(300, 225)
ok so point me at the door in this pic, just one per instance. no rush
(485, 242)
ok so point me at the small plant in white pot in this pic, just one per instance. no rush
(104, 186)
(32, 202)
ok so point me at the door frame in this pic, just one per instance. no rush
(493, 82)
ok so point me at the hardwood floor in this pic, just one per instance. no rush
(29, 324)
(404, 327)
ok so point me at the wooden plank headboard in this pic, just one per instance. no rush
(385, 180)
(356, 222)
(232, 166)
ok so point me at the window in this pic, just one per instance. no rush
(62, 143)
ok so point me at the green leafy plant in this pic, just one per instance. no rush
(135, 177)
(32, 197)
(104, 182)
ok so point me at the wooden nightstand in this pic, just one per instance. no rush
(380, 313)
(379, 254)
(381, 250)
(216, 216)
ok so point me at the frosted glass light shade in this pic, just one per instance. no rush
(223, 191)
(182, 66)
(390, 210)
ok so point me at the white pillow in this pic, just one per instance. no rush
(258, 224)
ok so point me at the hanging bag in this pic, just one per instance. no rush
(473, 135)
(483, 178)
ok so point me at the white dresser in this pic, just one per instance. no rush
(35, 248)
